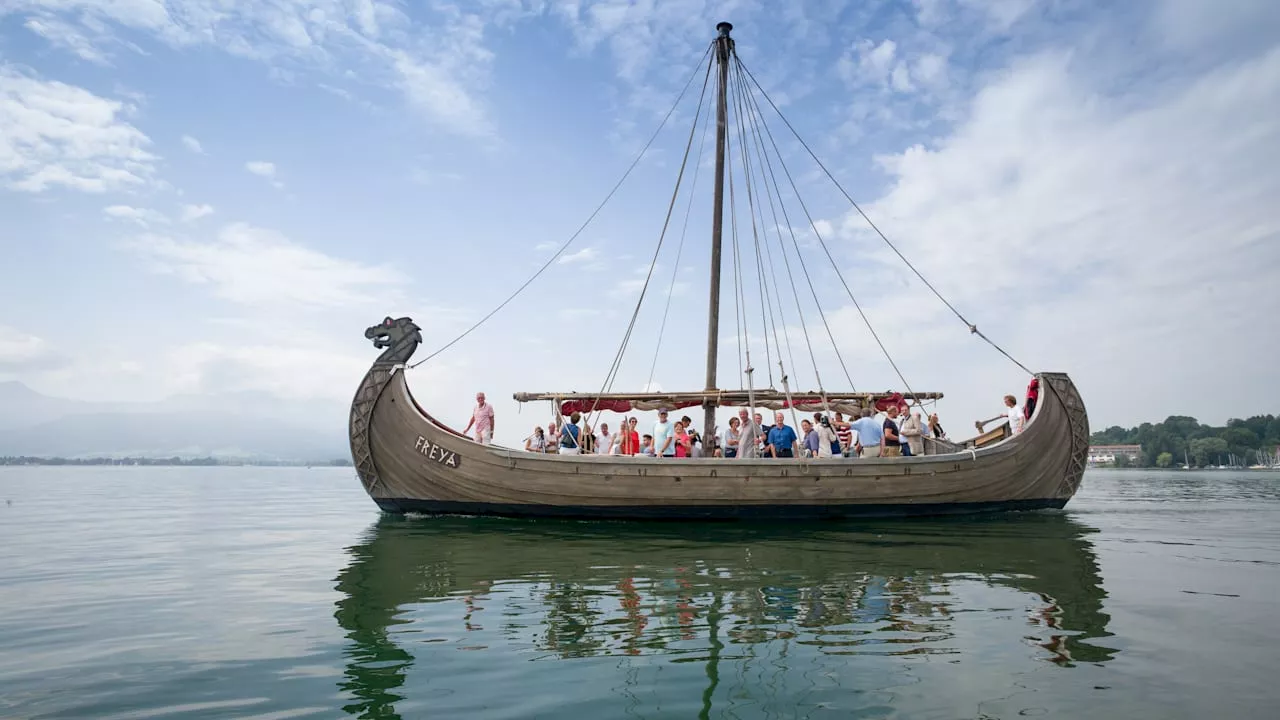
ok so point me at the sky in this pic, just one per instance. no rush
(202, 198)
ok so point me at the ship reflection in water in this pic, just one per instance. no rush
(444, 615)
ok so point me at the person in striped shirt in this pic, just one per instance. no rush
(844, 435)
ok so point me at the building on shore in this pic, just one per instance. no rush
(1107, 454)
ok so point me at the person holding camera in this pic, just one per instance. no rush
(827, 440)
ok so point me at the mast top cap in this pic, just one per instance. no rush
(724, 28)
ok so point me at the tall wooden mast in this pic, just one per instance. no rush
(724, 49)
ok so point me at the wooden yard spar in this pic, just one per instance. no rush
(410, 462)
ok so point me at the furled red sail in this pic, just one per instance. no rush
(848, 403)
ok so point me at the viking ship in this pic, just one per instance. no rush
(408, 461)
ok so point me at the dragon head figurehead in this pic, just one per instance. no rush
(399, 336)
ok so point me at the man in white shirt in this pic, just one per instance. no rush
(1014, 414)
(664, 441)
(604, 441)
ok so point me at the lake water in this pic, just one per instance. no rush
(281, 593)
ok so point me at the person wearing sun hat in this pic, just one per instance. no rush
(664, 441)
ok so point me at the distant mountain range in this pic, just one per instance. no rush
(234, 425)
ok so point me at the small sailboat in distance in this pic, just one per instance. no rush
(410, 462)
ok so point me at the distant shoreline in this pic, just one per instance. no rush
(1132, 468)
(170, 462)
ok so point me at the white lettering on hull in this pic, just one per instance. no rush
(448, 458)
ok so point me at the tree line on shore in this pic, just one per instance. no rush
(1167, 443)
(194, 462)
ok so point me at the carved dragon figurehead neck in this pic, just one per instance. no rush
(400, 337)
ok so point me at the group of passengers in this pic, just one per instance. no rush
(898, 433)
(901, 433)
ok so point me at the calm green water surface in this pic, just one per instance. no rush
(281, 593)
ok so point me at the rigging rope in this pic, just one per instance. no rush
(584, 225)
(766, 315)
(777, 297)
(733, 235)
(762, 166)
(737, 301)
(804, 327)
(973, 329)
(834, 265)
(740, 310)
(737, 266)
(740, 302)
(770, 298)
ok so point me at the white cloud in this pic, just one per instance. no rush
(436, 58)
(900, 79)
(883, 64)
(876, 60)
(1085, 234)
(930, 69)
(61, 135)
(142, 216)
(192, 144)
(584, 255)
(19, 348)
(195, 212)
(264, 169)
(265, 270)
(67, 36)
(206, 367)
(634, 284)
(261, 168)
(442, 89)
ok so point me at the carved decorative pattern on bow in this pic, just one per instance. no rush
(1078, 420)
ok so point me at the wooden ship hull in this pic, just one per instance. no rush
(409, 462)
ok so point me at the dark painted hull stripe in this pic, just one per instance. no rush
(712, 512)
